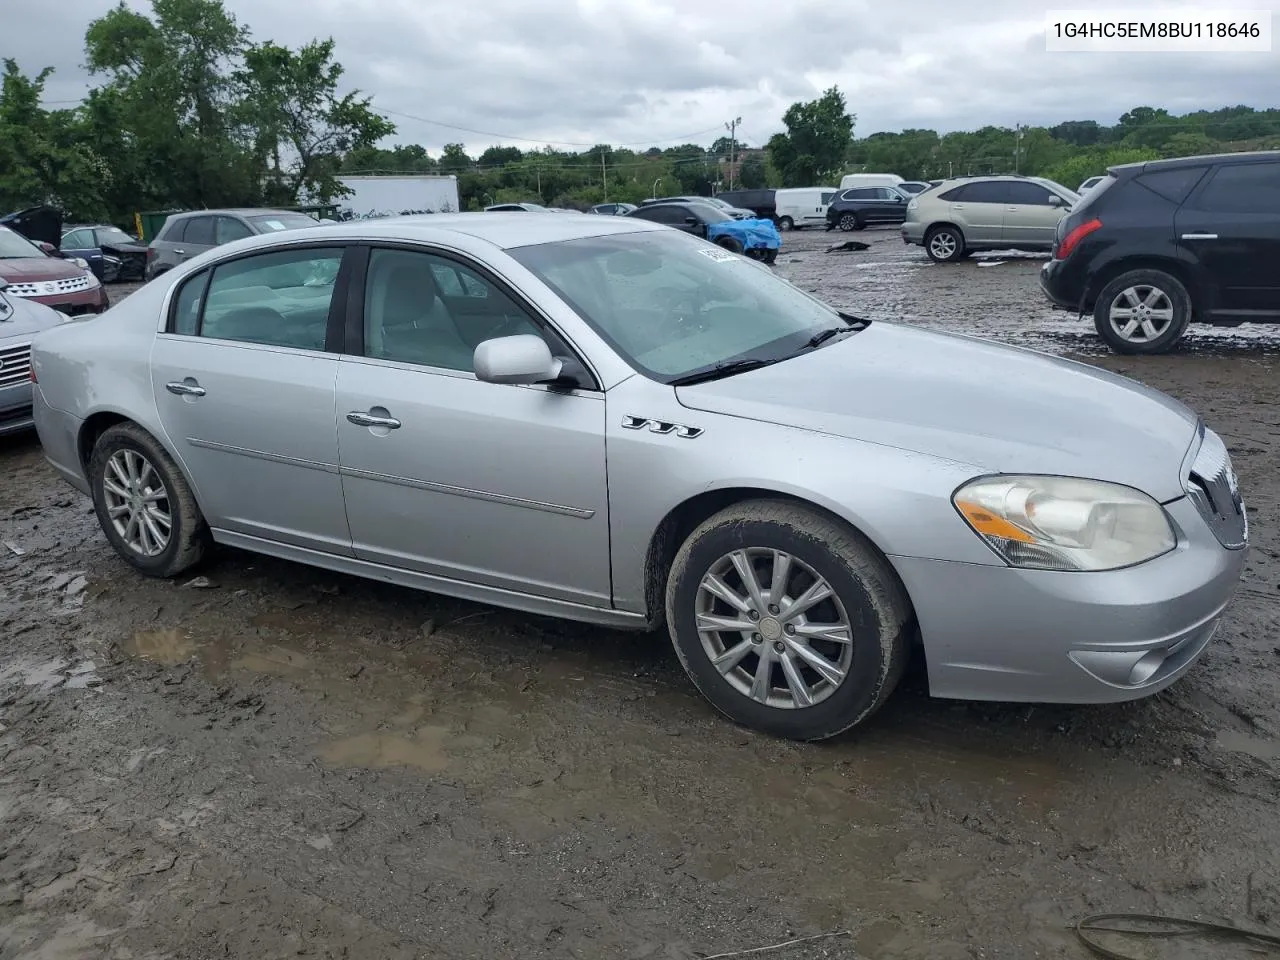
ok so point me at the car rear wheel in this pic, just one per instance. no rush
(1142, 312)
(786, 223)
(144, 504)
(944, 244)
(730, 243)
(850, 221)
(787, 620)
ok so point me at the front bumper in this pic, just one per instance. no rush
(15, 408)
(997, 633)
(80, 303)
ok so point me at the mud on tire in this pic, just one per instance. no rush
(873, 600)
(188, 534)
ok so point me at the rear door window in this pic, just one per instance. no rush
(1173, 185)
(1243, 188)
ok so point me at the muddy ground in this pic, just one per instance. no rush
(279, 762)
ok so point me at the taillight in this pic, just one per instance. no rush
(1072, 239)
(152, 253)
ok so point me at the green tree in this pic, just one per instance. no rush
(753, 175)
(299, 125)
(817, 139)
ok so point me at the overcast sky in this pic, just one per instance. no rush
(643, 72)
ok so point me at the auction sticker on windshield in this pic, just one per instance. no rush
(718, 254)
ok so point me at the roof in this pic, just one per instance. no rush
(241, 211)
(1175, 163)
(505, 230)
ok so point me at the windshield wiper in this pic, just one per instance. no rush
(822, 336)
(726, 368)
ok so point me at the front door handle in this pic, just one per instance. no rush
(361, 419)
(1199, 236)
(185, 388)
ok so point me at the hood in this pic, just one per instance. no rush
(135, 247)
(38, 224)
(1000, 409)
(24, 318)
(33, 269)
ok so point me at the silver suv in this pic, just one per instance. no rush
(187, 235)
(959, 217)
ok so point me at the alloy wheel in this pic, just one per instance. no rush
(137, 503)
(1141, 313)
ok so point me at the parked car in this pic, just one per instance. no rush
(796, 494)
(1157, 246)
(856, 208)
(869, 180)
(970, 214)
(912, 187)
(1089, 185)
(111, 253)
(738, 213)
(187, 235)
(21, 318)
(515, 208)
(797, 207)
(757, 239)
(612, 209)
(31, 273)
(759, 202)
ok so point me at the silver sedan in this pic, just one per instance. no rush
(612, 421)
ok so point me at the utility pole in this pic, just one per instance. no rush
(732, 127)
(1019, 130)
(604, 176)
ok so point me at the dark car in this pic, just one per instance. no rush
(858, 207)
(757, 239)
(763, 203)
(1158, 245)
(612, 209)
(186, 235)
(515, 208)
(111, 253)
(738, 213)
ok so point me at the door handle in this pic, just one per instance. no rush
(184, 389)
(372, 420)
(1199, 236)
(181, 253)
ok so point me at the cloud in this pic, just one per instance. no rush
(662, 71)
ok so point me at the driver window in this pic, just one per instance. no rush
(424, 309)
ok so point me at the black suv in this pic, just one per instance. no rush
(1158, 245)
(856, 207)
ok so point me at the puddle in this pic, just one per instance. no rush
(424, 750)
(170, 647)
(1260, 748)
(276, 661)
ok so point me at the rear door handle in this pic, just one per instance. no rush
(361, 419)
(1199, 236)
(184, 388)
(181, 253)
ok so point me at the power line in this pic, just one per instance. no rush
(565, 143)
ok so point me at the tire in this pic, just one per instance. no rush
(1158, 295)
(770, 256)
(188, 534)
(944, 244)
(871, 601)
(786, 223)
(730, 243)
(850, 221)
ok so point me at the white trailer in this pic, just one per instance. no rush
(391, 196)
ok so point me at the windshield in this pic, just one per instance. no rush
(711, 214)
(13, 245)
(672, 304)
(282, 221)
(115, 235)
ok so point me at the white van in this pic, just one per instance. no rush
(870, 180)
(796, 207)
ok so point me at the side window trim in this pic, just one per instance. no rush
(201, 277)
(354, 327)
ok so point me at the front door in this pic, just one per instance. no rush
(1030, 216)
(485, 483)
(1231, 227)
(245, 392)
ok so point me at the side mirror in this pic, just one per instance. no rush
(520, 359)
(1056, 201)
(48, 248)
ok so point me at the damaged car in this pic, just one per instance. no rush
(112, 255)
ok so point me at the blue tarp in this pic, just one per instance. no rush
(752, 234)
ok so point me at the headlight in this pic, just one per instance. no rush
(80, 262)
(1061, 523)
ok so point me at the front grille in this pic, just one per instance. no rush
(15, 364)
(50, 288)
(1215, 490)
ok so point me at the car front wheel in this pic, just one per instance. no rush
(1142, 311)
(144, 504)
(787, 620)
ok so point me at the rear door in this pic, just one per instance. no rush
(1231, 225)
(979, 210)
(1030, 218)
(191, 239)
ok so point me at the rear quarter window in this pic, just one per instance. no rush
(1172, 185)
